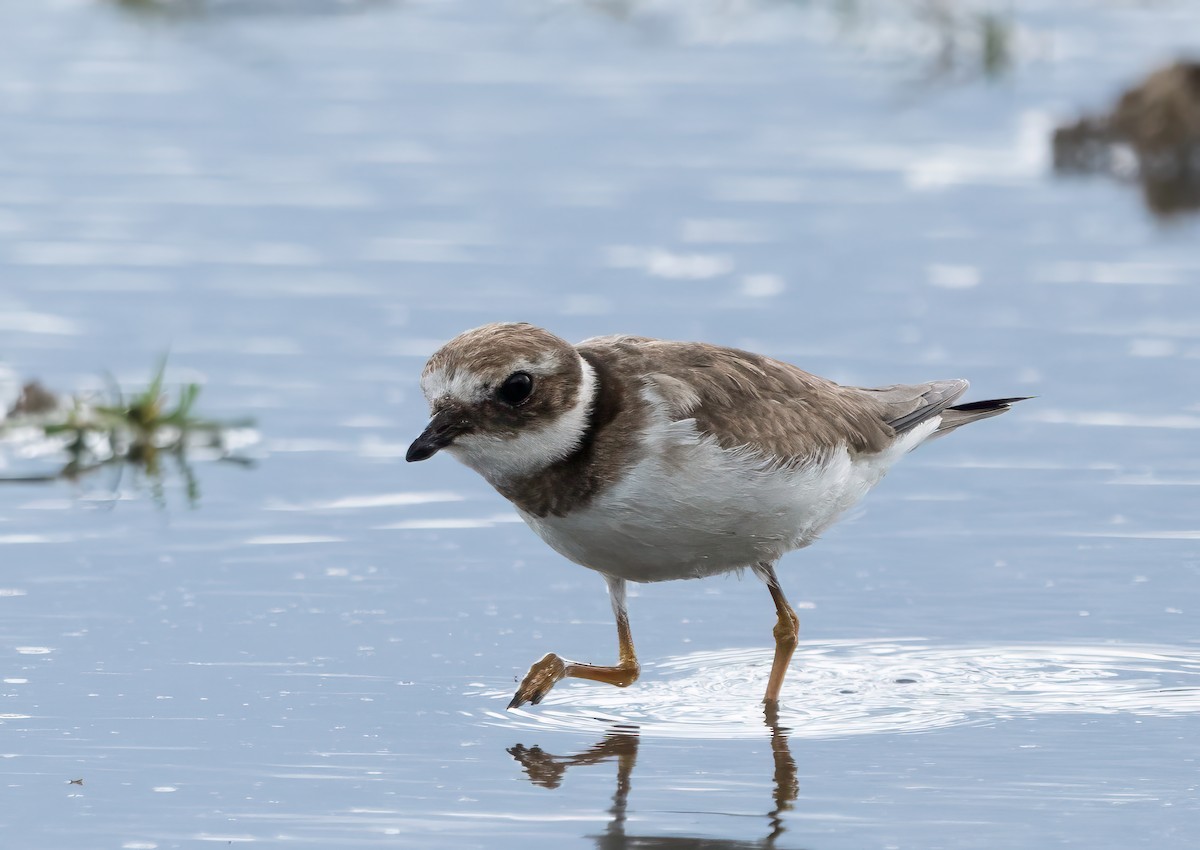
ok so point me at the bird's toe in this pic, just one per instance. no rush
(542, 676)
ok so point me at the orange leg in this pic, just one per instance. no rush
(787, 630)
(551, 669)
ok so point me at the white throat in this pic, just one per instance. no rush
(498, 459)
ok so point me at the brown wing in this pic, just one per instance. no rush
(745, 399)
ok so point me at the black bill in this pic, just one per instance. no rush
(439, 433)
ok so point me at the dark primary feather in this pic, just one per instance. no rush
(973, 411)
(908, 405)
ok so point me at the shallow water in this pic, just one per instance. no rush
(300, 202)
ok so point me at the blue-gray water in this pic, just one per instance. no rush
(300, 201)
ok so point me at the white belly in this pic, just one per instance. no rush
(691, 509)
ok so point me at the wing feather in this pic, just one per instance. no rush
(747, 400)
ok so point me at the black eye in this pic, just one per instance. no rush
(516, 388)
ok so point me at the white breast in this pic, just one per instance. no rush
(690, 509)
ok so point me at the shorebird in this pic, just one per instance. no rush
(647, 460)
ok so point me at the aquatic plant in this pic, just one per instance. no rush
(137, 430)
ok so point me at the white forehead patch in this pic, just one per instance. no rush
(461, 385)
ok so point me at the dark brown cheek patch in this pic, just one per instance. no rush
(552, 396)
(608, 450)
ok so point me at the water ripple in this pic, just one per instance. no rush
(848, 688)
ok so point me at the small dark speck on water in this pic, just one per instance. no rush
(906, 681)
(75, 782)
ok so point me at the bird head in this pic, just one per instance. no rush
(506, 399)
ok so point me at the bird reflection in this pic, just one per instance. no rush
(621, 745)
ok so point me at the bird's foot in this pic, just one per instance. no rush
(542, 676)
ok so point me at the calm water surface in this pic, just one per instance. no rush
(300, 201)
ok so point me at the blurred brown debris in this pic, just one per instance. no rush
(34, 399)
(1152, 135)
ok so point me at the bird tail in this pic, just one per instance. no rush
(964, 414)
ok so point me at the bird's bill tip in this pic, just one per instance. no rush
(421, 449)
(439, 433)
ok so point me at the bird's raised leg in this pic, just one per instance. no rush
(545, 674)
(787, 629)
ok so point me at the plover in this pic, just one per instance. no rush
(647, 460)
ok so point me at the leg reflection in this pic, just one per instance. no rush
(547, 770)
(787, 785)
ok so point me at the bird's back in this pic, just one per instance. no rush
(748, 400)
